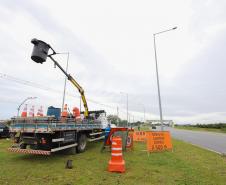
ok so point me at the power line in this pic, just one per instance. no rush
(36, 85)
(42, 87)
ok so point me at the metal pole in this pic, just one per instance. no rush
(144, 114)
(117, 116)
(157, 77)
(127, 108)
(65, 81)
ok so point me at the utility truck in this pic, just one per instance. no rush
(43, 135)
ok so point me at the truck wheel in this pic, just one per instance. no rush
(82, 142)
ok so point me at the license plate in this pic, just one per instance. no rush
(1, 130)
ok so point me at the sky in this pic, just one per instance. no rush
(111, 55)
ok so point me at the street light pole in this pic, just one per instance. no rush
(65, 80)
(28, 98)
(144, 114)
(117, 116)
(127, 107)
(157, 75)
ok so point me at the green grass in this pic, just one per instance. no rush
(187, 164)
(201, 129)
(143, 128)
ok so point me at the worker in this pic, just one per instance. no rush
(107, 132)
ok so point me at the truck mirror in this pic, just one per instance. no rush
(40, 51)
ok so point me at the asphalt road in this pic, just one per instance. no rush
(212, 141)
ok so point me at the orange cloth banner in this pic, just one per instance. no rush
(158, 141)
(140, 136)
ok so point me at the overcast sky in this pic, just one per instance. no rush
(111, 51)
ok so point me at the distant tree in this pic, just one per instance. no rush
(114, 119)
(122, 123)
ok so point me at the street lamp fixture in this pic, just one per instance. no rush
(157, 75)
(28, 98)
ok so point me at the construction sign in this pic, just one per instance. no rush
(158, 141)
(139, 136)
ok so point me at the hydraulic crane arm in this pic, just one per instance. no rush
(73, 81)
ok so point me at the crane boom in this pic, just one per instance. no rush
(76, 84)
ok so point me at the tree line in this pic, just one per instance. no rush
(221, 126)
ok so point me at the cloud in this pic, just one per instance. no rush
(111, 50)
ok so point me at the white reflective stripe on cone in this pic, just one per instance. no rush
(116, 149)
(119, 154)
(114, 143)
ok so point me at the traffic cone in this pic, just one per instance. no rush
(76, 113)
(116, 164)
(32, 110)
(40, 112)
(64, 113)
(24, 113)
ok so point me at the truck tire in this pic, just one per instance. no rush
(82, 142)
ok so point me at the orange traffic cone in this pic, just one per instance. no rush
(40, 112)
(24, 113)
(64, 113)
(116, 164)
(32, 110)
(76, 113)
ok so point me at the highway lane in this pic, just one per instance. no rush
(212, 141)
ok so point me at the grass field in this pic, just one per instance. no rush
(187, 164)
(201, 129)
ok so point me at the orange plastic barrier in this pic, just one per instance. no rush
(158, 141)
(116, 164)
(140, 136)
(110, 135)
(129, 141)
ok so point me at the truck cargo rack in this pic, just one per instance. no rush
(49, 124)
